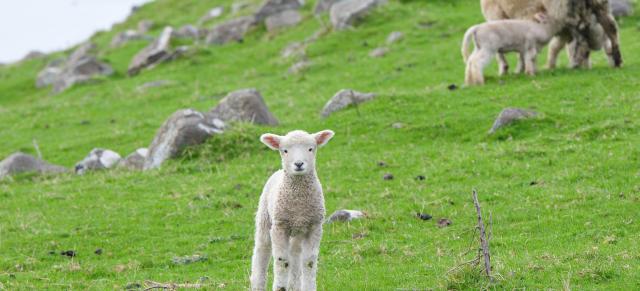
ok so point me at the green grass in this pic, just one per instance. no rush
(576, 226)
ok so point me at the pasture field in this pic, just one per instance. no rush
(563, 188)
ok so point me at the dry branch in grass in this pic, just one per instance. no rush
(484, 242)
(150, 285)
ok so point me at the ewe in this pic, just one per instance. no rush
(290, 214)
(501, 36)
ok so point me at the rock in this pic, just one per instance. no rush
(394, 37)
(232, 30)
(287, 18)
(154, 53)
(510, 115)
(344, 13)
(299, 67)
(620, 8)
(397, 125)
(82, 51)
(444, 222)
(272, 7)
(344, 98)
(345, 215)
(324, 5)
(80, 71)
(379, 52)
(97, 159)
(294, 49)
(48, 76)
(33, 55)
(126, 36)
(246, 105)
(186, 127)
(145, 26)
(387, 176)
(452, 87)
(153, 84)
(188, 259)
(98, 252)
(135, 160)
(424, 216)
(22, 163)
(188, 31)
(238, 6)
(212, 14)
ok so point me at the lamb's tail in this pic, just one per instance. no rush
(466, 41)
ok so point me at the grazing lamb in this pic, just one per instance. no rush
(501, 36)
(290, 215)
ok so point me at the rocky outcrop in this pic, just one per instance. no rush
(324, 5)
(287, 18)
(153, 54)
(212, 14)
(245, 105)
(97, 159)
(344, 13)
(127, 36)
(22, 163)
(510, 115)
(135, 160)
(273, 7)
(343, 99)
(232, 30)
(184, 128)
(145, 26)
(379, 52)
(189, 31)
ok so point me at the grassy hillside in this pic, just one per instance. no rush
(563, 189)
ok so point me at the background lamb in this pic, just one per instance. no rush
(290, 214)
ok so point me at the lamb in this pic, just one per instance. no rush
(498, 37)
(290, 214)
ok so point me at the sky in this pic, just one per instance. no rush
(51, 25)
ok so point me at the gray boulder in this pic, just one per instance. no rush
(33, 55)
(212, 14)
(272, 7)
(97, 159)
(379, 52)
(287, 18)
(153, 54)
(345, 215)
(48, 76)
(82, 51)
(80, 71)
(344, 98)
(300, 67)
(294, 49)
(232, 30)
(324, 5)
(127, 36)
(135, 160)
(394, 37)
(188, 31)
(620, 8)
(344, 13)
(245, 105)
(510, 115)
(186, 127)
(22, 163)
(145, 26)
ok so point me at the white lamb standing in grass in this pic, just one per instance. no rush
(498, 37)
(290, 215)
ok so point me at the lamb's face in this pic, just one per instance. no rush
(297, 149)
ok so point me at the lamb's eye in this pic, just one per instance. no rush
(310, 149)
(285, 151)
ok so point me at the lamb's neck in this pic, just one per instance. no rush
(300, 184)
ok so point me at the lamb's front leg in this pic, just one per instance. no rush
(310, 252)
(503, 65)
(295, 267)
(280, 248)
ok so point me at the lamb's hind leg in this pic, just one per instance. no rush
(261, 251)
(310, 252)
(280, 248)
(530, 61)
(503, 65)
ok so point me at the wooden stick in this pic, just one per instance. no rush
(483, 237)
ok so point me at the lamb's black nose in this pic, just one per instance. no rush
(298, 164)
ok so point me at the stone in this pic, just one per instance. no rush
(145, 26)
(294, 49)
(621, 8)
(343, 99)
(344, 13)
(82, 51)
(246, 105)
(97, 159)
(444, 222)
(238, 6)
(48, 76)
(154, 53)
(394, 37)
(23, 163)
(387, 176)
(284, 19)
(81, 71)
(214, 13)
(184, 128)
(345, 215)
(189, 259)
(188, 31)
(135, 160)
(300, 67)
(379, 52)
(324, 5)
(424, 216)
(232, 30)
(272, 7)
(510, 115)
(154, 84)
(127, 36)
(33, 55)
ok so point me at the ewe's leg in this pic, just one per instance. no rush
(310, 252)
(556, 45)
(610, 27)
(280, 246)
(609, 51)
(261, 251)
(295, 268)
(503, 66)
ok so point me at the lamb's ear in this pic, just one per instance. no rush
(322, 137)
(271, 140)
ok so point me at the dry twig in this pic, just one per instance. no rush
(483, 237)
